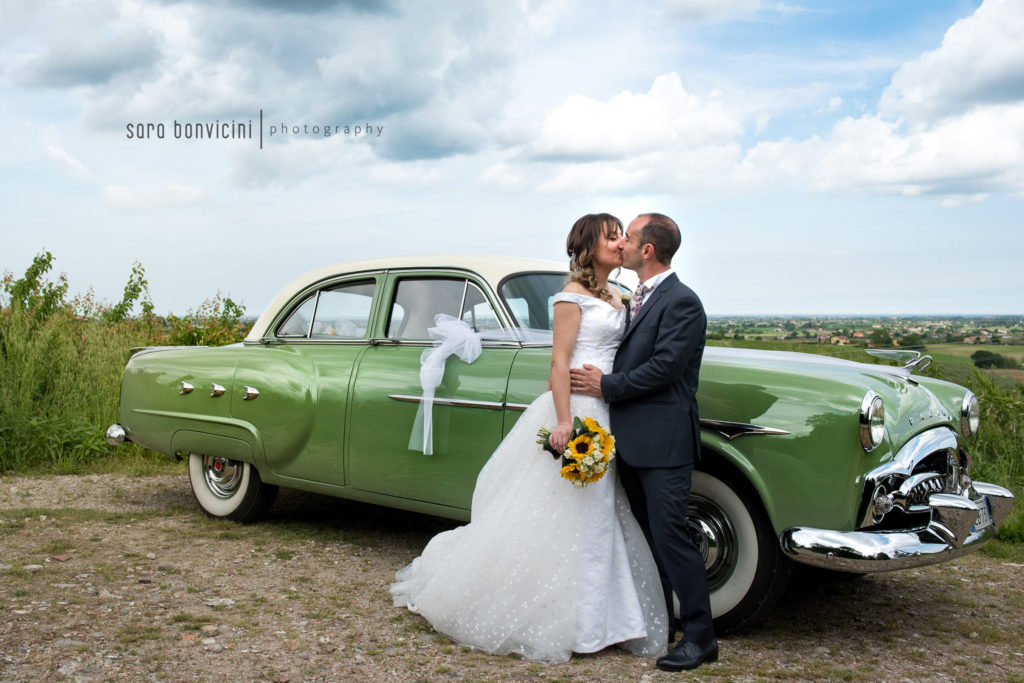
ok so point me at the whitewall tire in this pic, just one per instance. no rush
(747, 572)
(229, 489)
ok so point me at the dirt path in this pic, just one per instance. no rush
(116, 578)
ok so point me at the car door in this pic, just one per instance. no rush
(468, 407)
(303, 376)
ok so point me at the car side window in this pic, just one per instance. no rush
(297, 324)
(338, 312)
(418, 300)
(343, 312)
(477, 312)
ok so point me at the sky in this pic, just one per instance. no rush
(820, 157)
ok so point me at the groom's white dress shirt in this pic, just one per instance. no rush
(652, 283)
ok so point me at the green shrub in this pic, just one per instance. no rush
(999, 452)
(61, 363)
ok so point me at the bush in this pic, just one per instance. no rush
(999, 452)
(61, 363)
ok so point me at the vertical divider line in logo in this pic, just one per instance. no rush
(261, 129)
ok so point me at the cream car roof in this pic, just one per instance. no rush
(492, 268)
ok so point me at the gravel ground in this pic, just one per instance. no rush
(107, 577)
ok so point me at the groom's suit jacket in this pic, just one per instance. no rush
(652, 388)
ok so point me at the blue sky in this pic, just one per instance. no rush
(821, 157)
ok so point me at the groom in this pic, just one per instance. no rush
(651, 393)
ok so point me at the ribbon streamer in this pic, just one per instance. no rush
(455, 337)
(451, 337)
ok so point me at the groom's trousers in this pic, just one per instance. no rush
(659, 497)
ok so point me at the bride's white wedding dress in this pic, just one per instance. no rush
(544, 569)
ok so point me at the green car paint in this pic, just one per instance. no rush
(330, 409)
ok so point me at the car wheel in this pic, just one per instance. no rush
(229, 489)
(747, 572)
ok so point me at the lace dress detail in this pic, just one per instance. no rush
(544, 569)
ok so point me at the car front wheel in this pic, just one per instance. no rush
(229, 489)
(747, 572)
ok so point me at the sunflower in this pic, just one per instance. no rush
(571, 473)
(581, 446)
(607, 446)
(592, 425)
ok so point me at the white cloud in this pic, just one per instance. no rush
(504, 175)
(711, 10)
(152, 197)
(835, 102)
(631, 124)
(972, 154)
(543, 16)
(417, 173)
(950, 123)
(980, 62)
(661, 140)
(55, 150)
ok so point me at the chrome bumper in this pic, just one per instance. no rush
(115, 434)
(950, 533)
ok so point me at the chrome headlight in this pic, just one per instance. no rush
(872, 421)
(970, 415)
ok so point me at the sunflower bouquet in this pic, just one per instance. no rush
(585, 460)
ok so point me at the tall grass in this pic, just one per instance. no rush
(59, 384)
(999, 454)
(61, 362)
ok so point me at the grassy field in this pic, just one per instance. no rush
(965, 350)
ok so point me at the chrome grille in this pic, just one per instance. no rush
(934, 461)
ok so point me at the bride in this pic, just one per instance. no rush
(545, 569)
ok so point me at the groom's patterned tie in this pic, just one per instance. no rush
(637, 302)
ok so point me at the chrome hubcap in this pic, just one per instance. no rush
(222, 476)
(712, 531)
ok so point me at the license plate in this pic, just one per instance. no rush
(984, 516)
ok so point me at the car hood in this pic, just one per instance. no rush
(778, 386)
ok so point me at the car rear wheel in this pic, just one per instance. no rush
(229, 489)
(747, 572)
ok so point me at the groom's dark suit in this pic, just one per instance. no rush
(651, 392)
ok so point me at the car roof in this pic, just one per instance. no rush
(491, 268)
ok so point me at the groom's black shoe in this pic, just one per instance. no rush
(688, 656)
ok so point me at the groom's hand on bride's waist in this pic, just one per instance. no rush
(586, 380)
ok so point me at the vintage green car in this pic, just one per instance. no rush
(847, 466)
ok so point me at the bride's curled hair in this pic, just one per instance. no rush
(583, 240)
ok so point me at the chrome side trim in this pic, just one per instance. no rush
(949, 534)
(427, 343)
(216, 390)
(186, 388)
(458, 402)
(734, 430)
(250, 393)
(517, 407)
(139, 350)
